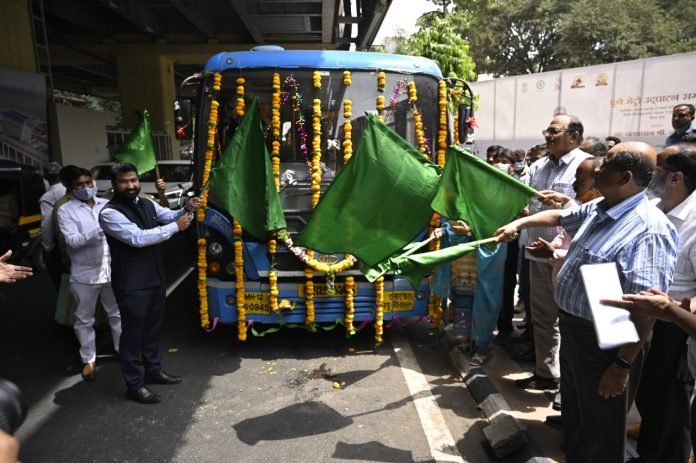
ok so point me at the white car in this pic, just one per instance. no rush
(177, 173)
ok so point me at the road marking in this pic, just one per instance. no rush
(443, 447)
(177, 282)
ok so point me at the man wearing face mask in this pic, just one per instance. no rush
(90, 270)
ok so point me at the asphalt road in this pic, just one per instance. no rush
(268, 399)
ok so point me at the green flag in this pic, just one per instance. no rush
(415, 266)
(138, 149)
(379, 201)
(480, 194)
(243, 179)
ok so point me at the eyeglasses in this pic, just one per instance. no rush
(552, 131)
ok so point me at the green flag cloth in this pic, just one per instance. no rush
(243, 179)
(139, 149)
(379, 201)
(415, 266)
(482, 195)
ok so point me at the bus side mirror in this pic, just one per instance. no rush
(183, 119)
(465, 113)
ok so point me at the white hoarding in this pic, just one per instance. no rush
(632, 100)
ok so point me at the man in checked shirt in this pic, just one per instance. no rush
(555, 172)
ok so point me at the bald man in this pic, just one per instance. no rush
(624, 228)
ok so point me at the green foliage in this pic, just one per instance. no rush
(510, 37)
(438, 40)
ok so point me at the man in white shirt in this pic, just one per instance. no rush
(55, 191)
(90, 270)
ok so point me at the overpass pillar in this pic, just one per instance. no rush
(16, 36)
(146, 81)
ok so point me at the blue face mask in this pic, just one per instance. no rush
(85, 194)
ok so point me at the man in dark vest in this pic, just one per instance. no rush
(134, 229)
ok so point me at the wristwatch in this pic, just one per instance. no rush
(622, 363)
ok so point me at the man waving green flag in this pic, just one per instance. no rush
(243, 179)
(138, 149)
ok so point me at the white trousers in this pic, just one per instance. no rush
(86, 296)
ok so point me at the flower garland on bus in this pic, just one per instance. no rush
(347, 131)
(239, 281)
(239, 107)
(200, 214)
(399, 89)
(434, 308)
(238, 251)
(275, 160)
(381, 83)
(316, 151)
(417, 121)
(442, 132)
(379, 309)
(304, 256)
(350, 305)
(309, 294)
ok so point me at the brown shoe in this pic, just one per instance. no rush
(89, 371)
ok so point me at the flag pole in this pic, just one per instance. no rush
(162, 197)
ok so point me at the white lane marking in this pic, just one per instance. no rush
(443, 447)
(178, 281)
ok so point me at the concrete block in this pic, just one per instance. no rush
(505, 435)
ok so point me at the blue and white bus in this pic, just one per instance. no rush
(275, 276)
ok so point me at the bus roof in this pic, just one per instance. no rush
(322, 59)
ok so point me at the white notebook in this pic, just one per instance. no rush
(612, 325)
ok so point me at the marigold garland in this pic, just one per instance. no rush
(316, 152)
(350, 306)
(239, 107)
(435, 310)
(381, 81)
(316, 80)
(347, 131)
(379, 309)
(239, 281)
(307, 257)
(455, 132)
(275, 160)
(417, 121)
(347, 78)
(309, 293)
(442, 132)
(202, 262)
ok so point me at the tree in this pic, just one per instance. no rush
(510, 37)
(438, 40)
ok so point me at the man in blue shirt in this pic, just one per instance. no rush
(624, 228)
(134, 228)
(682, 118)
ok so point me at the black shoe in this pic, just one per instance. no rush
(538, 383)
(161, 378)
(525, 356)
(143, 395)
(557, 402)
(555, 421)
(520, 338)
(502, 338)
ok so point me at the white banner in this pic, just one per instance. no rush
(632, 100)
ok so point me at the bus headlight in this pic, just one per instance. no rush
(214, 248)
(229, 269)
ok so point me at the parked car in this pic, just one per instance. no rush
(177, 173)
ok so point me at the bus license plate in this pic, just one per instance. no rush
(398, 301)
(257, 303)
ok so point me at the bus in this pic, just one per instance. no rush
(307, 100)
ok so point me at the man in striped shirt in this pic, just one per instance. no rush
(624, 228)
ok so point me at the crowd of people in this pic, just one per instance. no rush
(601, 201)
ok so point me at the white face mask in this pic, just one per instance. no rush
(503, 167)
(85, 194)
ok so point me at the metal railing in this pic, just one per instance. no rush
(15, 151)
(162, 141)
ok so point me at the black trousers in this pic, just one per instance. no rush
(594, 428)
(663, 399)
(142, 314)
(507, 311)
